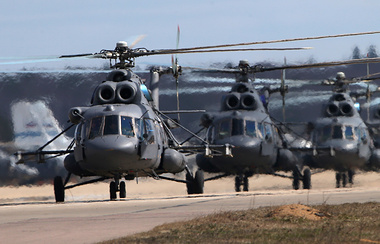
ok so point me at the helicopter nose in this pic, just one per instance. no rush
(246, 146)
(111, 150)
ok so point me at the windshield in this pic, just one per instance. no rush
(110, 125)
(328, 132)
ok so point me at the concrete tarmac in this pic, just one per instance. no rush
(85, 221)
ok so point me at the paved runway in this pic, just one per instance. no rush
(93, 221)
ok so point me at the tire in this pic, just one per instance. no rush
(306, 179)
(123, 192)
(189, 184)
(245, 183)
(113, 190)
(199, 182)
(296, 179)
(344, 179)
(337, 178)
(237, 183)
(351, 174)
(59, 189)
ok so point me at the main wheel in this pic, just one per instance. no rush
(337, 179)
(306, 179)
(189, 184)
(199, 182)
(296, 179)
(113, 190)
(351, 176)
(123, 192)
(237, 183)
(59, 189)
(344, 179)
(245, 183)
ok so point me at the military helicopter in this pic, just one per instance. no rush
(260, 145)
(121, 135)
(244, 122)
(341, 140)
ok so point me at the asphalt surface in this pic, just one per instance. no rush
(94, 221)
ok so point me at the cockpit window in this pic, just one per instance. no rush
(127, 126)
(95, 127)
(237, 127)
(224, 129)
(349, 132)
(111, 125)
(325, 133)
(261, 130)
(250, 128)
(337, 132)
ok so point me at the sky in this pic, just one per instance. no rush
(39, 28)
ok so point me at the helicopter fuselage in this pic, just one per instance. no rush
(245, 124)
(120, 135)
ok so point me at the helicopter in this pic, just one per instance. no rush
(244, 122)
(340, 138)
(261, 144)
(121, 134)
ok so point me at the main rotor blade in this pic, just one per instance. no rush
(180, 51)
(324, 64)
(281, 40)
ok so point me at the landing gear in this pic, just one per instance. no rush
(115, 187)
(123, 191)
(305, 177)
(59, 189)
(344, 177)
(241, 180)
(195, 185)
(351, 174)
(296, 179)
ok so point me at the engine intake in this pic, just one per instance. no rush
(248, 101)
(105, 93)
(346, 109)
(332, 109)
(232, 101)
(125, 93)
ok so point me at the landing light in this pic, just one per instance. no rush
(357, 106)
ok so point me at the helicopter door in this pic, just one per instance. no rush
(267, 145)
(148, 145)
(78, 149)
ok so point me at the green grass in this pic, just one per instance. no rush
(346, 223)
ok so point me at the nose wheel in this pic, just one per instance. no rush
(342, 178)
(116, 187)
(241, 180)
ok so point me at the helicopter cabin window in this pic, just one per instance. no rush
(127, 126)
(78, 133)
(210, 134)
(349, 132)
(250, 128)
(95, 127)
(261, 130)
(145, 130)
(337, 132)
(325, 133)
(224, 128)
(111, 125)
(268, 131)
(237, 127)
